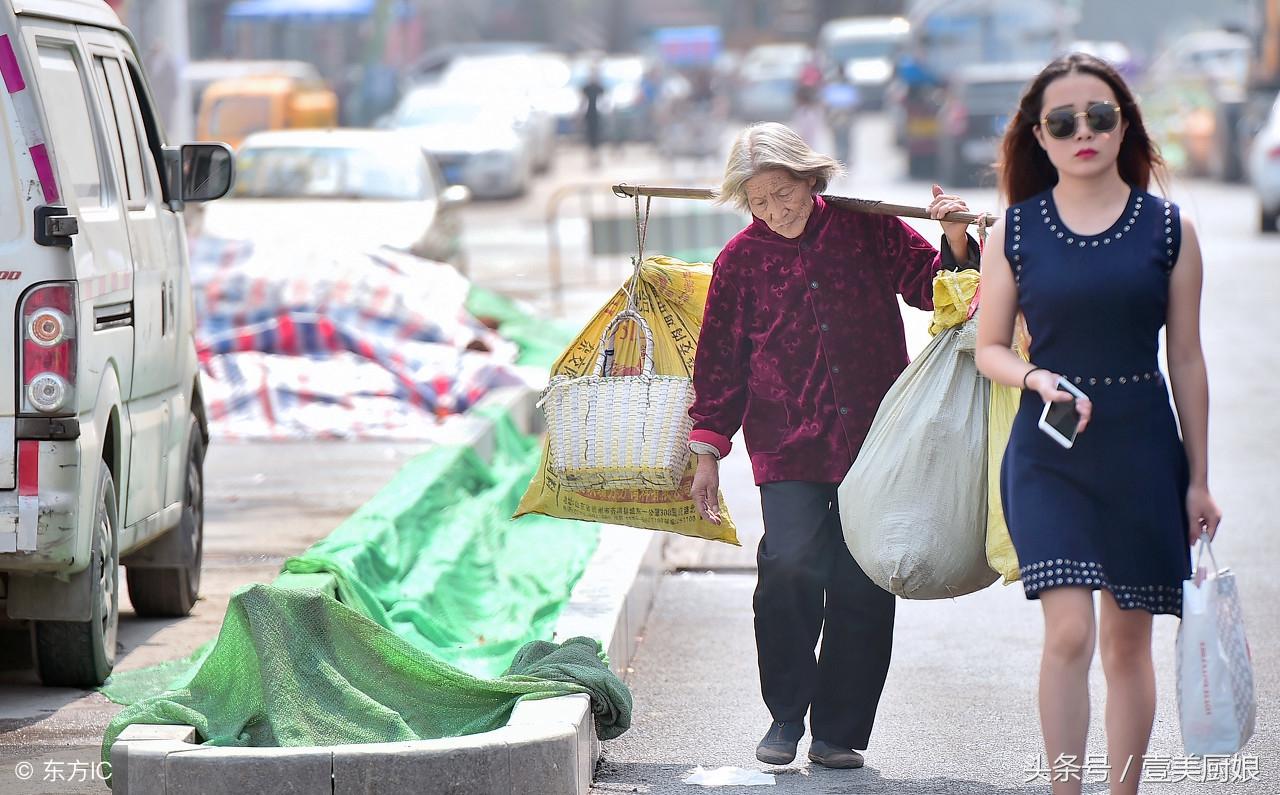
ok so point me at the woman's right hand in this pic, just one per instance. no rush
(1046, 384)
(706, 488)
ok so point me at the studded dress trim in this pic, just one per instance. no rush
(1046, 574)
(1129, 219)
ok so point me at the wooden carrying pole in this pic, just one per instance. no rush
(873, 206)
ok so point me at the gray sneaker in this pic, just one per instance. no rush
(779, 744)
(834, 756)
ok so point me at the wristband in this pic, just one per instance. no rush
(1028, 375)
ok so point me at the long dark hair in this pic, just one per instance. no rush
(1024, 168)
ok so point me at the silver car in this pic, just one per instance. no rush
(365, 188)
(1264, 169)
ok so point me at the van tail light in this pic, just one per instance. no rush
(48, 334)
(1273, 153)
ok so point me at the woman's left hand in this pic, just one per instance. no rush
(957, 232)
(1202, 513)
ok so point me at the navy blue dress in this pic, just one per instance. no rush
(1111, 511)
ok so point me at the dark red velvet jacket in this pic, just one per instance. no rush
(802, 338)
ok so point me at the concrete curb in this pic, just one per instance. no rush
(547, 747)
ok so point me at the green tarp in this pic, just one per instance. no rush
(438, 592)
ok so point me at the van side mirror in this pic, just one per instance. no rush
(208, 171)
(198, 172)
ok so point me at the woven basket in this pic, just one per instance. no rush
(619, 432)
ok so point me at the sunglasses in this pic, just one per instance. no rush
(1060, 123)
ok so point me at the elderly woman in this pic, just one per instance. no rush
(801, 339)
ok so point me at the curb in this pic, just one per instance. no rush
(548, 746)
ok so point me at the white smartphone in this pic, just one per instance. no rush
(1060, 420)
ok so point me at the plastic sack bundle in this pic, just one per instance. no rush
(914, 504)
(671, 296)
(1216, 699)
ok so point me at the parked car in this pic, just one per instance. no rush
(767, 81)
(1264, 170)
(236, 107)
(199, 75)
(476, 141)
(864, 48)
(975, 112)
(102, 420)
(530, 85)
(360, 187)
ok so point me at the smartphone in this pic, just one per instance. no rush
(1060, 420)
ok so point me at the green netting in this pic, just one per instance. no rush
(541, 341)
(439, 591)
(297, 668)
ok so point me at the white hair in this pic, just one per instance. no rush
(770, 145)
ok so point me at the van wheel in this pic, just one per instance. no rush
(82, 653)
(172, 592)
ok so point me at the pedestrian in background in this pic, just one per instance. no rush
(592, 122)
(802, 337)
(1097, 265)
(840, 99)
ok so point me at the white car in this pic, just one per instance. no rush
(476, 141)
(362, 188)
(533, 85)
(102, 421)
(864, 47)
(1264, 169)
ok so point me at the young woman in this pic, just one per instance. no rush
(1097, 265)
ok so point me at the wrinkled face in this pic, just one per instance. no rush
(781, 200)
(1085, 152)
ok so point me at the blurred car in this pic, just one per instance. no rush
(532, 85)
(478, 142)
(361, 187)
(199, 75)
(767, 81)
(864, 48)
(236, 107)
(975, 112)
(1264, 169)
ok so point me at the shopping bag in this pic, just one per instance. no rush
(1216, 699)
(914, 505)
(1001, 555)
(671, 296)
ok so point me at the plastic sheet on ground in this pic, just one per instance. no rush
(440, 598)
(671, 295)
(307, 343)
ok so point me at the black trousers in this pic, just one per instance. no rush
(810, 584)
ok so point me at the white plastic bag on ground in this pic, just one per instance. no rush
(729, 777)
(914, 504)
(1216, 699)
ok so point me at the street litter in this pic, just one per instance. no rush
(729, 777)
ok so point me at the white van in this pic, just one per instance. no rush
(102, 431)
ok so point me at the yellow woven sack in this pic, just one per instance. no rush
(671, 295)
(1004, 406)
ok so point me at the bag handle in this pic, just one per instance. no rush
(646, 365)
(1200, 557)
